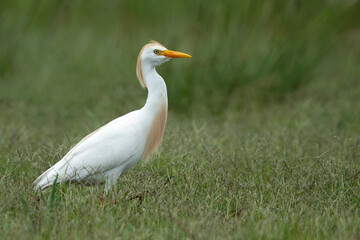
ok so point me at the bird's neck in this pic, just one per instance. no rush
(156, 107)
(157, 93)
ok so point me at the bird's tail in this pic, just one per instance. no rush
(46, 179)
(57, 172)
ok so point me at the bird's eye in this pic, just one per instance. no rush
(156, 51)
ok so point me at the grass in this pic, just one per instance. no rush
(263, 134)
(263, 176)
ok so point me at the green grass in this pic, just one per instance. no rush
(263, 134)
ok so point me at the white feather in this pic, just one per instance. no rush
(110, 151)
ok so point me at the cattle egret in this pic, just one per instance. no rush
(110, 151)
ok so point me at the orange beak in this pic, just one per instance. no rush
(173, 54)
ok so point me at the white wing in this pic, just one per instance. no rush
(112, 145)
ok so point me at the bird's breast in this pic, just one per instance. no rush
(156, 130)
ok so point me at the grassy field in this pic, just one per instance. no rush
(263, 134)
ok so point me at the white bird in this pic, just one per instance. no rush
(110, 151)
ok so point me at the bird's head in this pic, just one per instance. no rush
(154, 54)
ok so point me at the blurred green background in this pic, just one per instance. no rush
(67, 54)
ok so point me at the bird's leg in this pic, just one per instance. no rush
(108, 187)
(105, 193)
(110, 182)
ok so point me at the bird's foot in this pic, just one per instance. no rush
(102, 198)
